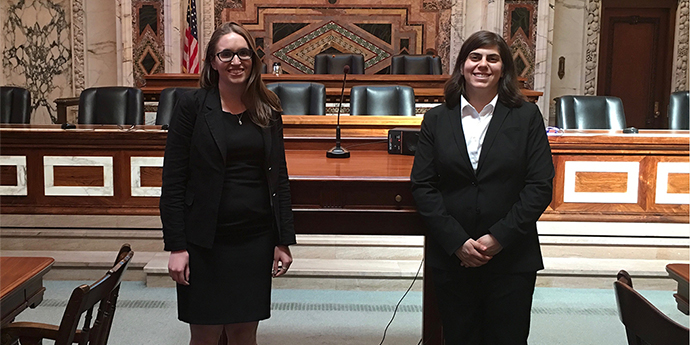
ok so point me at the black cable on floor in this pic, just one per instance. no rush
(421, 264)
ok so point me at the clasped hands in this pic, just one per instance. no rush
(475, 253)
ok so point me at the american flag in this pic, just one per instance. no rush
(190, 58)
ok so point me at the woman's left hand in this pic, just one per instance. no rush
(282, 259)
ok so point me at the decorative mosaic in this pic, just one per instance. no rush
(300, 53)
(294, 33)
(148, 39)
(520, 32)
(37, 53)
(682, 57)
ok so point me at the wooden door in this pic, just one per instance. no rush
(635, 60)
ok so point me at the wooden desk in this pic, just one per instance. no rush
(680, 273)
(601, 176)
(427, 88)
(21, 284)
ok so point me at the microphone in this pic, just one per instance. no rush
(337, 151)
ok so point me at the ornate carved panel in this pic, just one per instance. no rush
(294, 33)
(148, 38)
(520, 31)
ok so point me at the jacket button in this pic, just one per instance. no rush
(274, 194)
(270, 168)
(477, 210)
(474, 183)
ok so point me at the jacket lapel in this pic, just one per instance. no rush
(459, 134)
(266, 134)
(213, 113)
(500, 114)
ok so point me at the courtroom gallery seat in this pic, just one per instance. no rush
(382, 100)
(589, 112)
(115, 105)
(15, 105)
(167, 102)
(644, 323)
(416, 64)
(103, 292)
(300, 98)
(334, 63)
(678, 111)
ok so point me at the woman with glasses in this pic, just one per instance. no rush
(225, 203)
(482, 176)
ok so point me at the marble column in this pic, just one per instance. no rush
(542, 58)
(175, 15)
(123, 28)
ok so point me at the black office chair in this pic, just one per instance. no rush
(589, 112)
(678, 111)
(644, 323)
(334, 63)
(382, 100)
(300, 98)
(167, 102)
(115, 105)
(15, 105)
(416, 64)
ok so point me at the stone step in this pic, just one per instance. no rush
(351, 274)
(341, 246)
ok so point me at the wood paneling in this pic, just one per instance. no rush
(151, 176)
(78, 176)
(678, 183)
(371, 182)
(601, 182)
(8, 175)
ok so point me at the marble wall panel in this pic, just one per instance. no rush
(37, 53)
(101, 44)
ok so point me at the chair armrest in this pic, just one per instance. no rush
(33, 332)
(30, 330)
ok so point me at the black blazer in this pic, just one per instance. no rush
(194, 169)
(505, 197)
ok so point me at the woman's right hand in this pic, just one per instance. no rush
(178, 266)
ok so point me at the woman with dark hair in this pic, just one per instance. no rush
(225, 203)
(482, 176)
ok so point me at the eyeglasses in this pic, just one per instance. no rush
(227, 55)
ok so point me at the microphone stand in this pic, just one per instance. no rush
(337, 151)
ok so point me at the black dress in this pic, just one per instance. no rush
(231, 282)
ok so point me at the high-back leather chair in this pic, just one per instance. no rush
(334, 63)
(15, 105)
(589, 112)
(416, 64)
(300, 98)
(382, 100)
(644, 323)
(114, 105)
(97, 323)
(678, 112)
(167, 102)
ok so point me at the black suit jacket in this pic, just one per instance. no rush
(194, 170)
(508, 193)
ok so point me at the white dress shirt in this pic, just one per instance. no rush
(474, 125)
